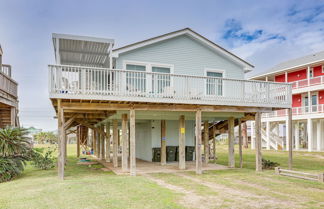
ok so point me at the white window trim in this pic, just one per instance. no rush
(322, 68)
(205, 83)
(148, 68)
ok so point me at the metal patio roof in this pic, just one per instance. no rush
(82, 50)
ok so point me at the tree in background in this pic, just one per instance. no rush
(46, 138)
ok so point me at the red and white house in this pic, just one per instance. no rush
(307, 77)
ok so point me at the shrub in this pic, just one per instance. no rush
(43, 159)
(267, 164)
(15, 150)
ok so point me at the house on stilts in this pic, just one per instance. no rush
(155, 100)
(8, 96)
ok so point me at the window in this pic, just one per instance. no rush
(162, 80)
(136, 80)
(322, 68)
(214, 85)
(311, 73)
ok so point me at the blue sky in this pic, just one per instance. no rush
(262, 32)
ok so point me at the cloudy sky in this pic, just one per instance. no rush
(262, 32)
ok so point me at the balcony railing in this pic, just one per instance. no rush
(77, 82)
(7, 84)
(305, 83)
(296, 111)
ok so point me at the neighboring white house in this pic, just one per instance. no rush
(172, 82)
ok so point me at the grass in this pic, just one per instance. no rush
(86, 187)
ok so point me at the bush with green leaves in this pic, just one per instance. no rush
(15, 150)
(43, 158)
(268, 164)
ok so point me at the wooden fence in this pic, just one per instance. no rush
(299, 174)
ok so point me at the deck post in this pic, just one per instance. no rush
(115, 143)
(214, 143)
(198, 142)
(102, 144)
(132, 143)
(290, 136)
(240, 142)
(94, 142)
(258, 156)
(78, 140)
(61, 160)
(163, 142)
(108, 142)
(182, 143)
(98, 144)
(231, 159)
(206, 142)
(125, 142)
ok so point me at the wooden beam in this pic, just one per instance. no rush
(163, 142)
(102, 143)
(214, 143)
(182, 143)
(240, 142)
(108, 142)
(206, 142)
(290, 142)
(98, 140)
(78, 134)
(162, 107)
(61, 156)
(231, 157)
(84, 123)
(198, 142)
(132, 143)
(258, 156)
(115, 143)
(125, 143)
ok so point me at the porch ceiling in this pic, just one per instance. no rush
(82, 50)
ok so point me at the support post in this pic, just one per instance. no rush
(198, 142)
(245, 137)
(163, 142)
(94, 143)
(125, 143)
(61, 160)
(258, 155)
(252, 134)
(319, 135)
(268, 134)
(231, 159)
(78, 141)
(206, 142)
(290, 142)
(132, 143)
(182, 143)
(214, 143)
(297, 135)
(102, 144)
(115, 143)
(98, 144)
(108, 142)
(240, 142)
(310, 134)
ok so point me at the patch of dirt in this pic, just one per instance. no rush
(189, 198)
(244, 199)
(314, 155)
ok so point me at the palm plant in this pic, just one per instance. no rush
(15, 150)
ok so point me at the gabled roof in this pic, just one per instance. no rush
(293, 64)
(186, 31)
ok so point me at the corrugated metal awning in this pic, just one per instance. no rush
(82, 50)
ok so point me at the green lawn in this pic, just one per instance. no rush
(86, 187)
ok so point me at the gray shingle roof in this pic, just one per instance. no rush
(293, 63)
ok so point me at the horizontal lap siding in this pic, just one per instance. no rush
(187, 55)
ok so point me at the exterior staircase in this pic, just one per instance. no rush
(275, 143)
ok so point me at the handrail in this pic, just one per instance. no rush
(83, 81)
(308, 82)
(8, 85)
(304, 110)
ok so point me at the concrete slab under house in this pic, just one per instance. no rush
(158, 102)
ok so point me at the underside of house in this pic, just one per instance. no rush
(160, 100)
(8, 96)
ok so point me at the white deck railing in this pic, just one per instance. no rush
(7, 84)
(6, 69)
(77, 82)
(305, 83)
(296, 111)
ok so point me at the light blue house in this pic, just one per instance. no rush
(166, 86)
